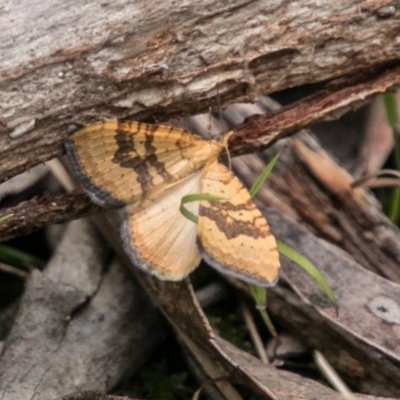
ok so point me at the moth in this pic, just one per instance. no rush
(145, 170)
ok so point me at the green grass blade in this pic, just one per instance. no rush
(263, 176)
(209, 197)
(394, 206)
(260, 296)
(301, 261)
(391, 109)
(288, 251)
(196, 197)
(392, 118)
(5, 218)
(12, 256)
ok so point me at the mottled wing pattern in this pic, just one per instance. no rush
(146, 170)
(233, 235)
(158, 238)
(122, 163)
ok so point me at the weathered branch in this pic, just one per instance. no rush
(34, 214)
(82, 324)
(258, 132)
(337, 98)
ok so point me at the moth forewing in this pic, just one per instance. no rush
(118, 162)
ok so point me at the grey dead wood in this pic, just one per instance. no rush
(320, 196)
(314, 200)
(38, 212)
(258, 132)
(302, 190)
(177, 302)
(63, 66)
(179, 305)
(22, 182)
(89, 395)
(309, 187)
(362, 341)
(82, 324)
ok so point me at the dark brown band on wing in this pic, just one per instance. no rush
(218, 212)
(97, 195)
(143, 165)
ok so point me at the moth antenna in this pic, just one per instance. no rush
(209, 124)
(221, 121)
(223, 127)
(228, 153)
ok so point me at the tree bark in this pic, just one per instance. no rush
(62, 66)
